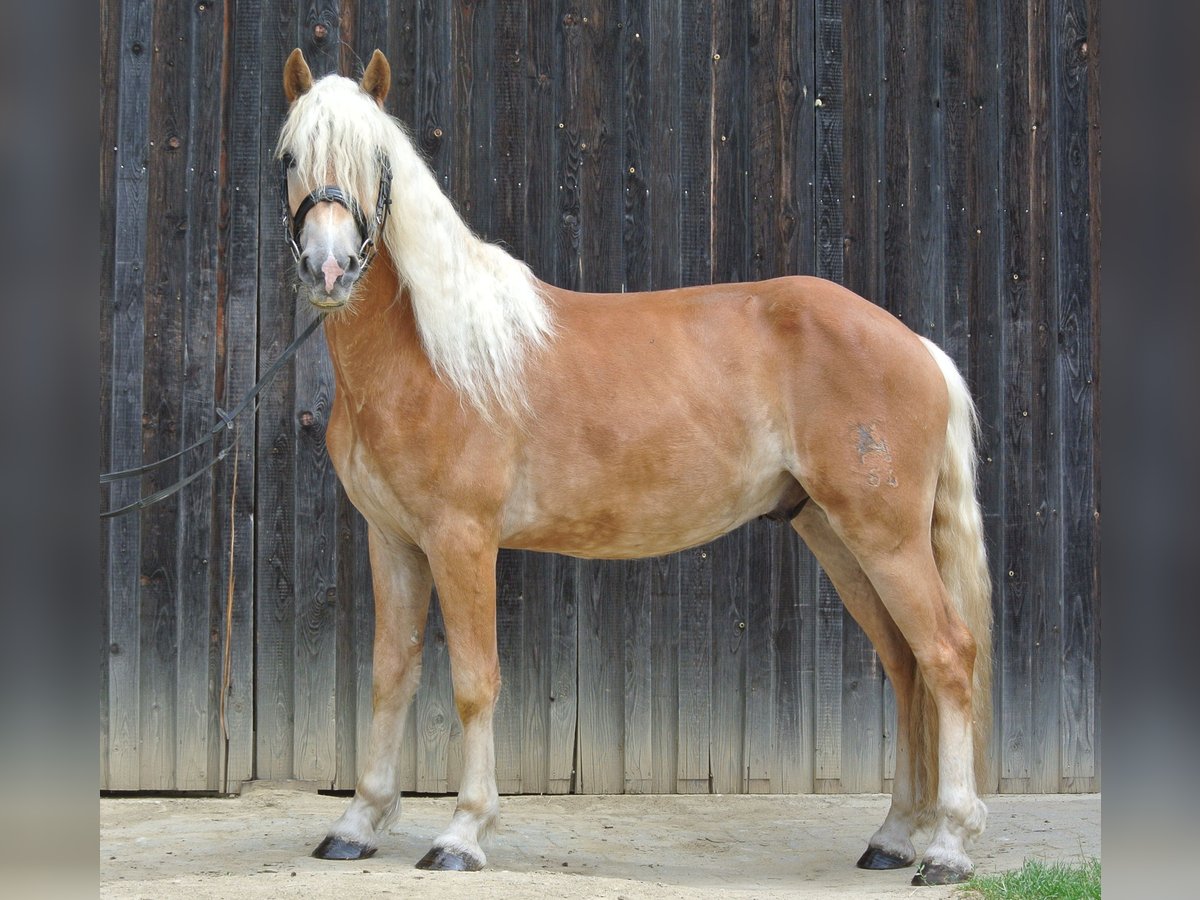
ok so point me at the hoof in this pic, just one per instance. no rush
(335, 848)
(931, 874)
(441, 860)
(875, 858)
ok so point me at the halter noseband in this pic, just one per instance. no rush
(368, 231)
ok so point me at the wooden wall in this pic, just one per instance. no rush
(941, 158)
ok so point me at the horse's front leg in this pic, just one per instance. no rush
(463, 558)
(402, 580)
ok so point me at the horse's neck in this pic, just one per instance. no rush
(375, 345)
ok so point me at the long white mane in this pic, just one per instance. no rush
(477, 309)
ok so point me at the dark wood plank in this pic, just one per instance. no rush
(695, 142)
(200, 622)
(985, 281)
(694, 773)
(828, 693)
(537, 628)
(661, 169)
(759, 741)
(635, 225)
(1019, 261)
(569, 154)
(315, 539)
(600, 138)
(131, 187)
(729, 625)
(275, 463)
(435, 710)
(635, 622)
(665, 629)
(509, 715)
(110, 54)
(1044, 417)
(167, 280)
(543, 71)
(601, 686)
(237, 327)
(564, 644)
(1076, 122)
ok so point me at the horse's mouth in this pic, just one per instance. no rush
(327, 303)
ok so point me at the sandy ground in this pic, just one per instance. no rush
(257, 846)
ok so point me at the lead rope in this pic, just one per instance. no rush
(225, 663)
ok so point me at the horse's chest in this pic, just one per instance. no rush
(369, 477)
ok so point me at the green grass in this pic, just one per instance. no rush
(1040, 881)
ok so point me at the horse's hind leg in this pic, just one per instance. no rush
(402, 581)
(464, 569)
(891, 846)
(899, 561)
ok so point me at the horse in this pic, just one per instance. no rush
(477, 407)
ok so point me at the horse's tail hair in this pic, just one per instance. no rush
(958, 548)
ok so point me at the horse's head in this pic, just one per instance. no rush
(337, 178)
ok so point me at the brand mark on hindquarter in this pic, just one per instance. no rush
(875, 456)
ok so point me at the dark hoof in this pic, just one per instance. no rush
(335, 848)
(441, 860)
(875, 858)
(931, 874)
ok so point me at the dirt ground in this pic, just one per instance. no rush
(257, 846)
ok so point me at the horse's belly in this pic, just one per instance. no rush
(623, 525)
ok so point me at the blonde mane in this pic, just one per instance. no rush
(478, 310)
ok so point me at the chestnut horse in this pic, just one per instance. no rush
(478, 408)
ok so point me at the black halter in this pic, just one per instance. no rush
(368, 231)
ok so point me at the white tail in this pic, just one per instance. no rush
(958, 547)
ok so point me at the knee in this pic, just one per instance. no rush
(475, 694)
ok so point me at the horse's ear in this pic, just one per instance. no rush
(297, 77)
(378, 78)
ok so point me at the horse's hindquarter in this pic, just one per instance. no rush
(664, 420)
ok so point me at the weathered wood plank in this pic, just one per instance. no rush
(509, 715)
(435, 712)
(601, 686)
(275, 463)
(1044, 422)
(984, 278)
(237, 334)
(166, 284)
(665, 628)
(600, 138)
(828, 693)
(131, 189)
(110, 52)
(635, 624)
(635, 224)
(1073, 29)
(694, 772)
(200, 622)
(564, 644)
(1019, 260)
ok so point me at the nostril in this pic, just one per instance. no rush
(352, 263)
(308, 268)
